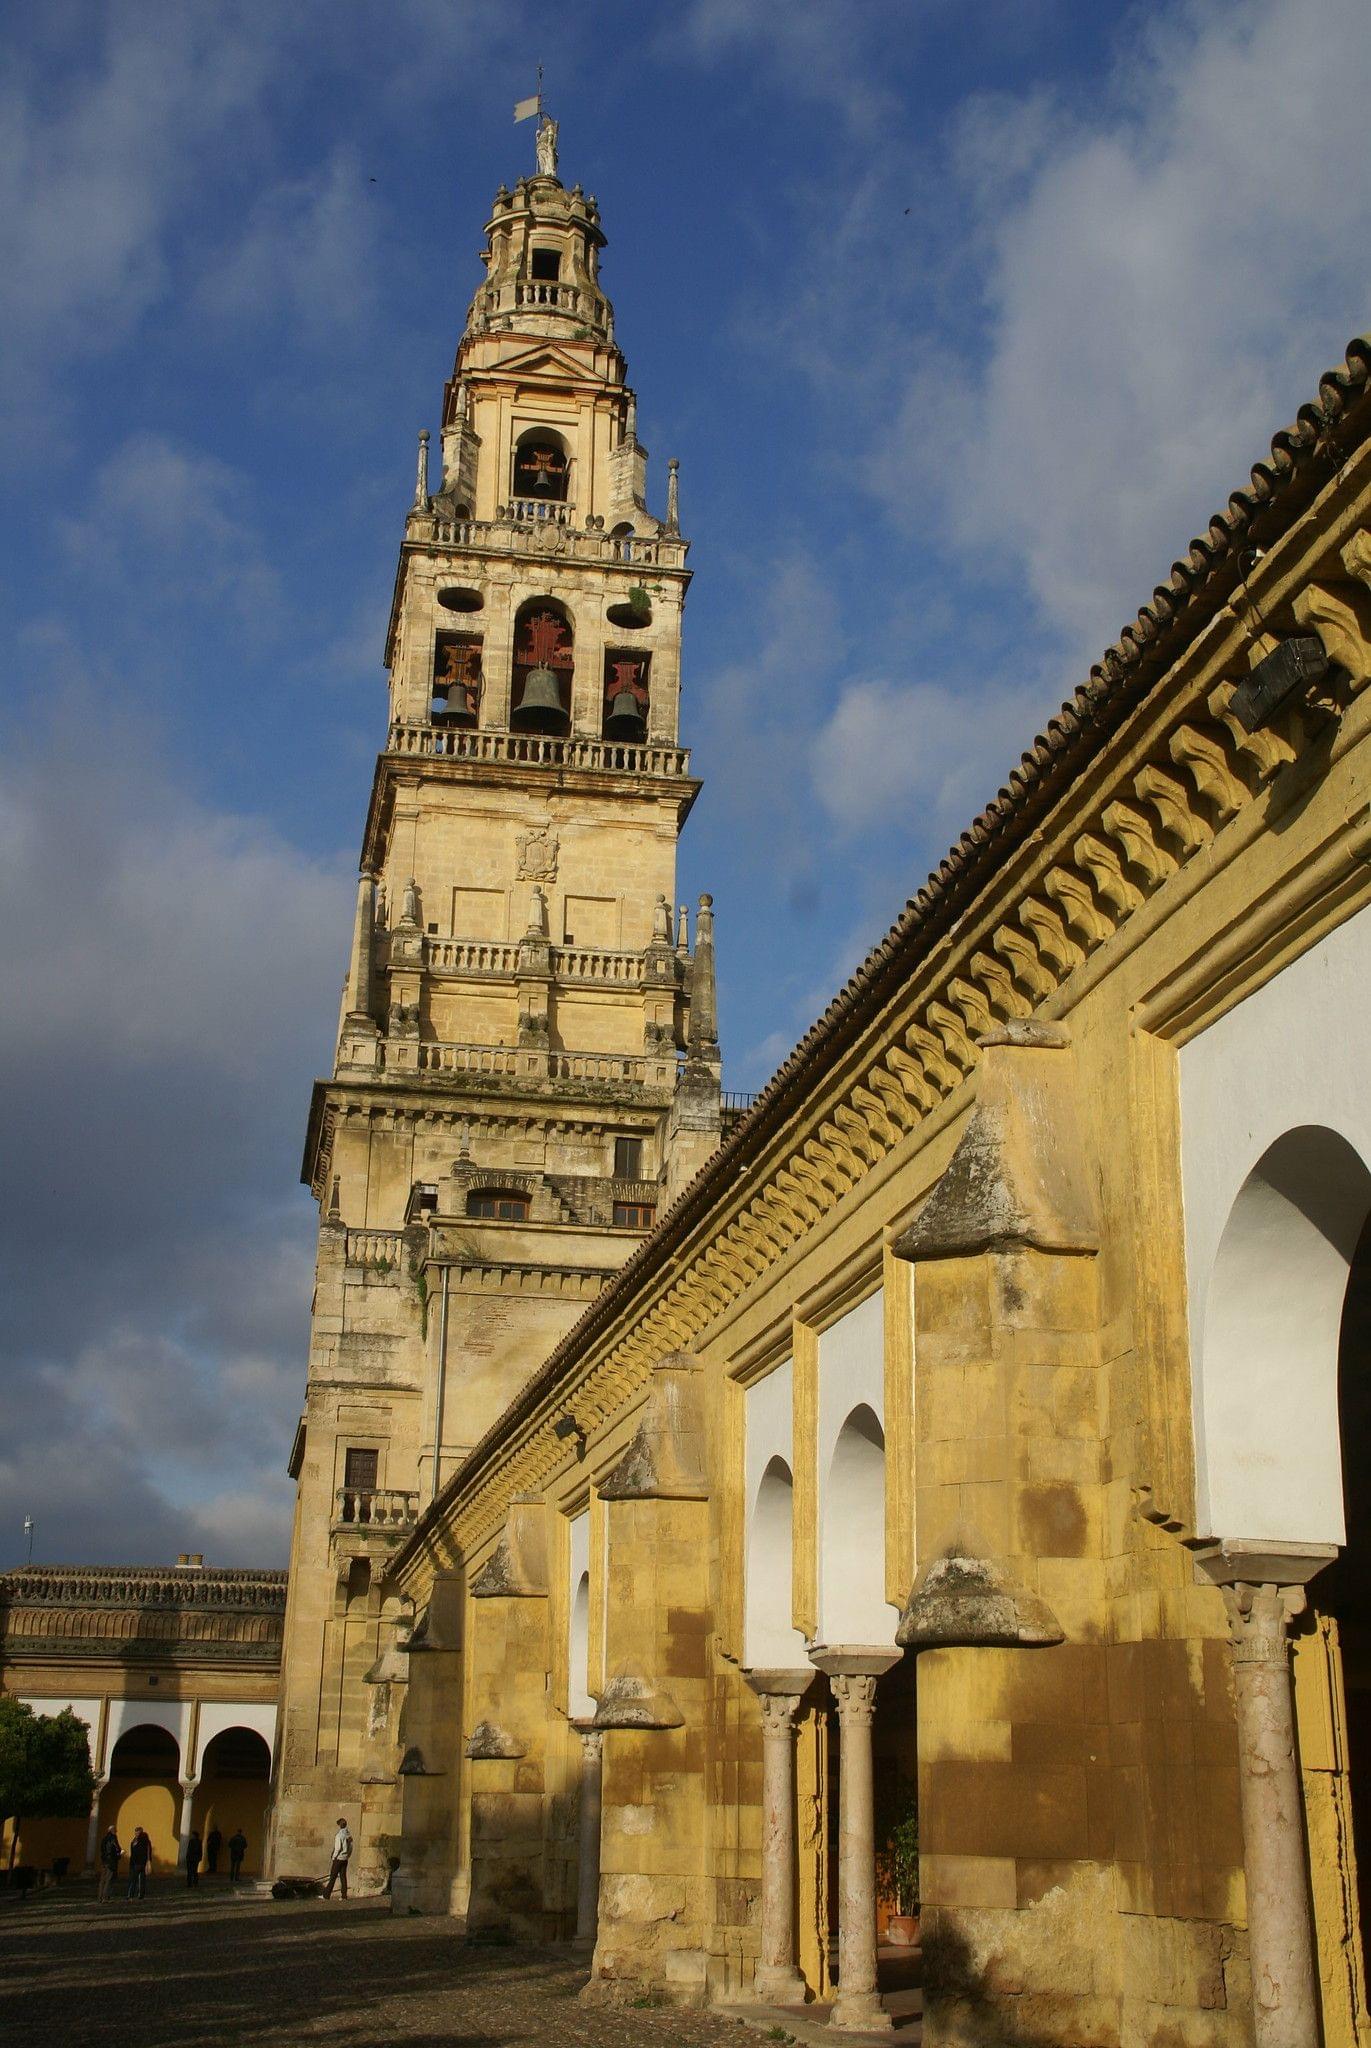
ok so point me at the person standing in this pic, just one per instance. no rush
(214, 1842)
(193, 1852)
(110, 1852)
(140, 1863)
(342, 1852)
(238, 1849)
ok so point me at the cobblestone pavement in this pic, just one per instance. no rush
(213, 1970)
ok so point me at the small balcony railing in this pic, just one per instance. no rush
(376, 1507)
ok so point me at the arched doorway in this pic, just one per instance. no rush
(853, 1606)
(235, 1775)
(144, 1791)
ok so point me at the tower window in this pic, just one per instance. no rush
(634, 1215)
(500, 1205)
(543, 663)
(545, 264)
(626, 695)
(457, 676)
(360, 1469)
(628, 1159)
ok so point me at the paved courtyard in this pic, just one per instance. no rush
(196, 1972)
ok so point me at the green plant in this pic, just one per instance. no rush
(45, 1771)
(897, 1859)
(647, 2000)
(638, 599)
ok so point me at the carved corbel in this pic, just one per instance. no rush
(1028, 970)
(933, 1057)
(1206, 761)
(1175, 811)
(912, 1079)
(1130, 829)
(1340, 614)
(1050, 936)
(972, 1004)
(1006, 1002)
(1106, 871)
(1079, 908)
(948, 1026)
(893, 1099)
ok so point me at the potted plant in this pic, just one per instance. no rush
(897, 1865)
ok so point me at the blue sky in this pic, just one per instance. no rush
(960, 321)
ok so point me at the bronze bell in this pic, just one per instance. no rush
(540, 704)
(624, 719)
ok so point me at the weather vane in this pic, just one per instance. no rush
(545, 140)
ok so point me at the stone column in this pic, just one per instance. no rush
(1263, 1591)
(188, 1786)
(588, 1864)
(93, 1830)
(853, 1673)
(1280, 1930)
(777, 1981)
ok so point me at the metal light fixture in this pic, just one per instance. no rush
(1289, 672)
(567, 1427)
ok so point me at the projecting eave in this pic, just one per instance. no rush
(314, 1131)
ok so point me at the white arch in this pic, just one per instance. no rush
(852, 1603)
(217, 1715)
(173, 1718)
(580, 1705)
(770, 1643)
(1269, 1347)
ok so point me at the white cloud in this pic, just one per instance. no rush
(308, 252)
(916, 753)
(1166, 275)
(171, 972)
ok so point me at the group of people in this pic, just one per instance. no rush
(198, 1851)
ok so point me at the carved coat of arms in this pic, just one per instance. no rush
(538, 856)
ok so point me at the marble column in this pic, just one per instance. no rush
(1279, 1924)
(1263, 1588)
(852, 1673)
(588, 1865)
(777, 1980)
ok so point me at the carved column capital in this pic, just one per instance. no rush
(1259, 1617)
(592, 1744)
(854, 1695)
(779, 1710)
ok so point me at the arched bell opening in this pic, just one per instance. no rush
(544, 664)
(626, 696)
(769, 1640)
(457, 678)
(231, 1798)
(541, 470)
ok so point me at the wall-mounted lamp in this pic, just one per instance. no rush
(1289, 672)
(566, 1427)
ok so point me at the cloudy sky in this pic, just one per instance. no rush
(960, 320)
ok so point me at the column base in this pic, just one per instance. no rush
(775, 1984)
(860, 2013)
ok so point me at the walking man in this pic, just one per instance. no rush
(338, 1869)
(214, 1842)
(140, 1862)
(110, 1852)
(238, 1849)
(193, 1859)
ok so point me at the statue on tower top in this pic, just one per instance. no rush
(546, 145)
(545, 140)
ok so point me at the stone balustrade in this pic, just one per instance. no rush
(499, 957)
(612, 757)
(376, 1507)
(375, 1247)
(537, 533)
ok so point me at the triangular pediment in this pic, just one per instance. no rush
(543, 360)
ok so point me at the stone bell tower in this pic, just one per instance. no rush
(527, 1066)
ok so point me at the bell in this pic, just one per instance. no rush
(540, 704)
(624, 720)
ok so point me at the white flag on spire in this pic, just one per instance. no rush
(524, 110)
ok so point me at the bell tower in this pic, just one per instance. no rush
(527, 1067)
